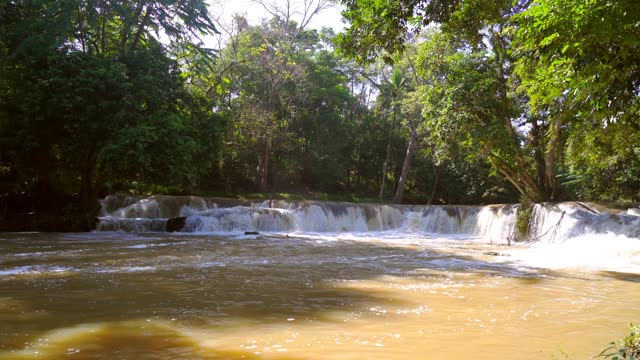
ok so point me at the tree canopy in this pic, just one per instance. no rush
(559, 74)
(439, 101)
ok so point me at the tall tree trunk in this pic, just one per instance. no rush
(406, 166)
(263, 173)
(126, 29)
(103, 27)
(553, 153)
(388, 156)
(537, 138)
(141, 28)
(263, 186)
(384, 172)
(436, 177)
(499, 47)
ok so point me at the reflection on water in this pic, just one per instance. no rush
(113, 295)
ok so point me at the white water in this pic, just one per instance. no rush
(575, 235)
(559, 222)
(495, 222)
(560, 235)
(588, 251)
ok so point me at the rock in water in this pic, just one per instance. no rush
(251, 233)
(176, 224)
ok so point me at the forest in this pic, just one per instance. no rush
(417, 101)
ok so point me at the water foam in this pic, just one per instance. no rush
(565, 234)
(588, 251)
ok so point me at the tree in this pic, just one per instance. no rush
(267, 62)
(586, 90)
(531, 143)
(391, 93)
(84, 76)
(87, 91)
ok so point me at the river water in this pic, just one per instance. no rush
(314, 295)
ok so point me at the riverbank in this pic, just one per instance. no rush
(48, 222)
(49, 212)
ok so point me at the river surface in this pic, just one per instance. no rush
(167, 296)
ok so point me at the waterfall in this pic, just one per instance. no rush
(550, 223)
(553, 223)
(240, 218)
(582, 235)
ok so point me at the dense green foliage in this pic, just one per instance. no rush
(546, 91)
(629, 347)
(446, 101)
(305, 119)
(91, 99)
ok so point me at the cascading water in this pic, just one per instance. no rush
(574, 234)
(550, 223)
(239, 218)
(150, 214)
(203, 215)
(569, 225)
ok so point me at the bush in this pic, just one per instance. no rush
(629, 348)
(523, 217)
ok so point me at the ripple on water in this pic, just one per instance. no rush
(211, 264)
(126, 269)
(36, 270)
(150, 245)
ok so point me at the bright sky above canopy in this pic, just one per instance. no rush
(255, 12)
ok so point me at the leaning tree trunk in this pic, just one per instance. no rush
(405, 167)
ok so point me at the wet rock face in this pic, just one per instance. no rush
(176, 224)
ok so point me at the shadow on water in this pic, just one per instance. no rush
(122, 340)
(621, 276)
(210, 282)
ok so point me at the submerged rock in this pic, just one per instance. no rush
(176, 224)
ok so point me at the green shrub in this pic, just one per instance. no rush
(629, 348)
(523, 217)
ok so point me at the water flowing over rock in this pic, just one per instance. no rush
(550, 223)
(159, 206)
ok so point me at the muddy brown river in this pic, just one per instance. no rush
(162, 296)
